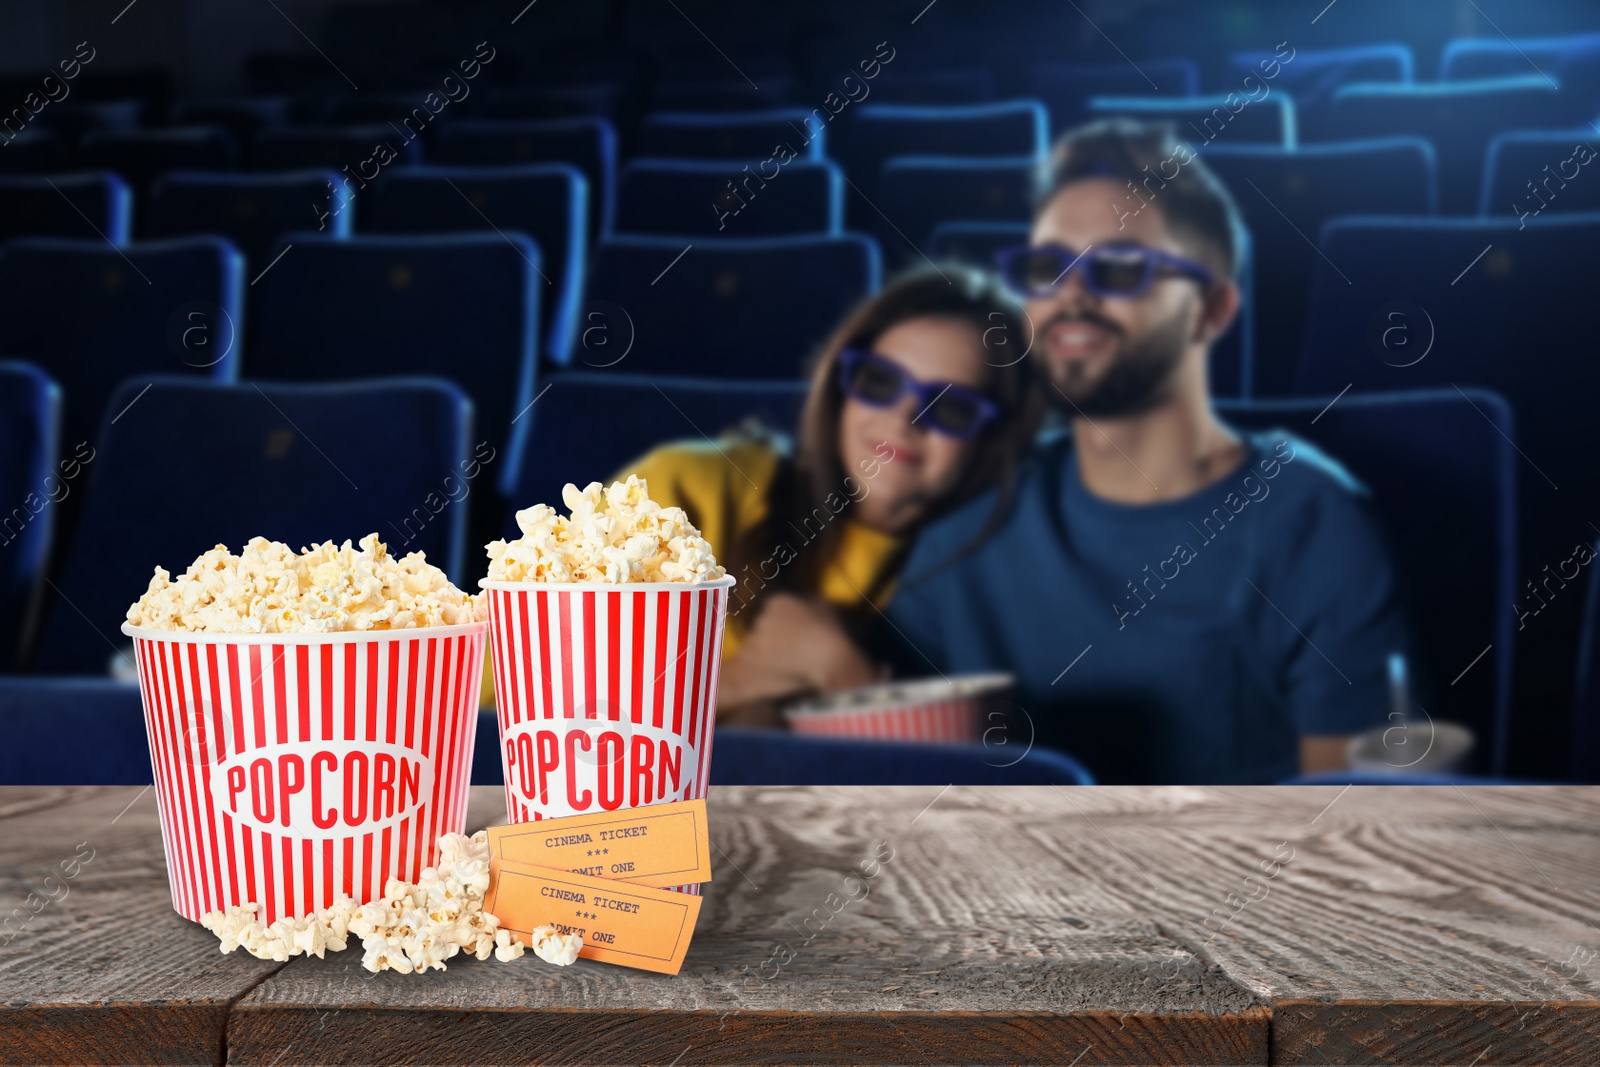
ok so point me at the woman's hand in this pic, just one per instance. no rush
(795, 647)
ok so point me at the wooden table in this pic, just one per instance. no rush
(1011, 925)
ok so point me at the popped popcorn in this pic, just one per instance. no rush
(269, 588)
(413, 928)
(612, 536)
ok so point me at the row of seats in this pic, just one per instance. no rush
(1443, 466)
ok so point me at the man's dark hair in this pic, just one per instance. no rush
(1157, 169)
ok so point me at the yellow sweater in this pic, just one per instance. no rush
(726, 489)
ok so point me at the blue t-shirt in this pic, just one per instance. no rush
(1192, 640)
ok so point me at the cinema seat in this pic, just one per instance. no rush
(30, 432)
(1285, 195)
(1540, 171)
(553, 443)
(548, 202)
(33, 151)
(1066, 88)
(935, 88)
(1586, 705)
(95, 205)
(91, 315)
(297, 463)
(459, 306)
(1497, 304)
(748, 137)
(776, 757)
(1572, 62)
(923, 191)
(690, 197)
(1443, 475)
(350, 150)
(729, 306)
(36, 713)
(864, 137)
(588, 144)
(1226, 118)
(252, 210)
(722, 94)
(1458, 118)
(1312, 75)
(139, 156)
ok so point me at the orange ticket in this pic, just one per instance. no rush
(657, 845)
(621, 923)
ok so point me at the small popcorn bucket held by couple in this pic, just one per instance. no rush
(959, 710)
(606, 693)
(290, 768)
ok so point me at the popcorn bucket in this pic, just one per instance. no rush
(953, 711)
(606, 694)
(290, 768)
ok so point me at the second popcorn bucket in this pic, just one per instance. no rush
(606, 695)
(606, 687)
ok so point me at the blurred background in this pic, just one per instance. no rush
(311, 269)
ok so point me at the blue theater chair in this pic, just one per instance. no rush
(296, 463)
(1532, 172)
(548, 202)
(1312, 75)
(1586, 711)
(1572, 62)
(33, 151)
(1066, 88)
(91, 315)
(1458, 118)
(350, 150)
(30, 430)
(250, 209)
(590, 144)
(924, 191)
(865, 137)
(95, 205)
(1441, 469)
(975, 243)
(106, 717)
(722, 94)
(460, 306)
(728, 307)
(749, 137)
(604, 100)
(244, 115)
(775, 757)
(555, 444)
(673, 196)
(974, 85)
(1497, 304)
(1285, 195)
(139, 156)
(1226, 119)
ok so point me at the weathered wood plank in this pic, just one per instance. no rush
(106, 971)
(1410, 926)
(967, 943)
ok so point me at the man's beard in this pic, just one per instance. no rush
(1138, 378)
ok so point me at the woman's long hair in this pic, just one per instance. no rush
(816, 472)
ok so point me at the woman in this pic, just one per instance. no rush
(921, 399)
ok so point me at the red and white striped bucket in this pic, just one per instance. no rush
(934, 710)
(606, 694)
(293, 767)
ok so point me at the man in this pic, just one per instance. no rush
(1180, 602)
